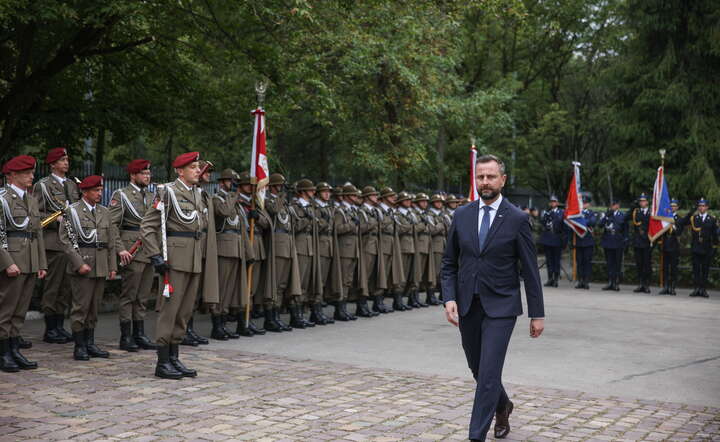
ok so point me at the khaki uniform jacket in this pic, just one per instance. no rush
(347, 231)
(52, 196)
(406, 221)
(233, 241)
(127, 209)
(26, 253)
(438, 231)
(279, 242)
(101, 260)
(329, 244)
(423, 244)
(390, 244)
(371, 219)
(307, 240)
(259, 227)
(185, 254)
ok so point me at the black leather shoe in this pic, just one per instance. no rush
(242, 330)
(80, 352)
(191, 331)
(179, 366)
(703, 293)
(609, 286)
(59, 326)
(141, 339)
(230, 334)
(271, 324)
(502, 421)
(23, 343)
(189, 340)
(646, 289)
(164, 369)
(283, 325)
(7, 362)
(127, 342)
(93, 350)
(431, 299)
(20, 360)
(254, 328)
(217, 330)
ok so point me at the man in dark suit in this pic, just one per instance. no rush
(488, 241)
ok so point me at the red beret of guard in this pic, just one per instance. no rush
(18, 164)
(185, 159)
(55, 154)
(138, 165)
(90, 182)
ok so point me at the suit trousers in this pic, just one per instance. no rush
(583, 258)
(175, 311)
(552, 259)
(670, 266)
(137, 281)
(642, 261)
(56, 287)
(15, 295)
(613, 259)
(485, 341)
(701, 268)
(229, 279)
(86, 295)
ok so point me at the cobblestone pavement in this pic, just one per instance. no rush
(246, 396)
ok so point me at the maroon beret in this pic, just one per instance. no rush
(138, 165)
(55, 154)
(185, 159)
(18, 164)
(90, 182)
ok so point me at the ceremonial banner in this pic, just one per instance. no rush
(573, 216)
(661, 215)
(259, 171)
(473, 193)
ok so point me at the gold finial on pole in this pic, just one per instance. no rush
(472, 142)
(662, 156)
(260, 89)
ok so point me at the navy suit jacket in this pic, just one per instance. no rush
(492, 273)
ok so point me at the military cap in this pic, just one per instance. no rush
(91, 182)
(322, 185)
(228, 174)
(387, 192)
(452, 199)
(402, 196)
(420, 197)
(642, 197)
(55, 154)
(437, 197)
(554, 198)
(349, 189)
(203, 164)
(337, 191)
(276, 179)
(702, 202)
(19, 163)
(243, 177)
(184, 159)
(138, 165)
(304, 185)
(674, 202)
(369, 190)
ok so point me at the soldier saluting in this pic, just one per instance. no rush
(54, 193)
(173, 230)
(703, 228)
(127, 208)
(22, 258)
(89, 240)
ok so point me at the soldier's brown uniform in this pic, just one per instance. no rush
(438, 233)
(259, 253)
(22, 246)
(53, 193)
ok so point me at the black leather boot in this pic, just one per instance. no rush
(271, 324)
(317, 316)
(242, 330)
(23, 343)
(672, 289)
(363, 311)
(191, 331)
(340, 314)
(556, 279)
(164, 369)
(7, 362)
(283, 325)
(141, 339)
(231, 334)
(418, 301)
(296, 317)
(179, 366)
(609, 285)
(80, 353)
(379, 304)
(411, 303)
(20, 360)
(257, 312)
(127, 342)
(93, 350)
(430, 298)
(51, 335)
(189, 340)
(308, 322)
(59, 326)
(217, 330)
(254, 328)
(549, 282)
(616, 284)
(398, 303)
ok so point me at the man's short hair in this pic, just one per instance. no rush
(488, 158)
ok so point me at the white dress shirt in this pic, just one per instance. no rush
(495, 206)
(19, 191)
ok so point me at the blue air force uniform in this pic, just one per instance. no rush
(584, 248)
(670, 246)
(704, 231)
(640, 219)
(614, 238)
(553, 240)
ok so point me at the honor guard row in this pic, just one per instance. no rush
(621, 230)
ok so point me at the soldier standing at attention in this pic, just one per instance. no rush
(306, 244)
(346, 227)
(390, 247)
(703, 228)
(553, 241)
(406, 220)
(327, 248)
(127, 208)
(89, 239)
(584, 247)
(180, 213)
(613, 241)
(640, 219)
(439, 230)
(22, 258)
(54, 193)
(425, 269)
(369, 234)
(671, 252)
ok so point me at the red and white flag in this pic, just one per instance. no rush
(473, 193)
(574, 217)
(259, 171)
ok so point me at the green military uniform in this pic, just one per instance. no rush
(391, 251)
(346, 223)
(406, 221)
(369, 237)
(425, 267)
(330, 268)
(54, 193)
(190, 237)
(22, 246)
(440, 224)
(89, 238)
(127, 208)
